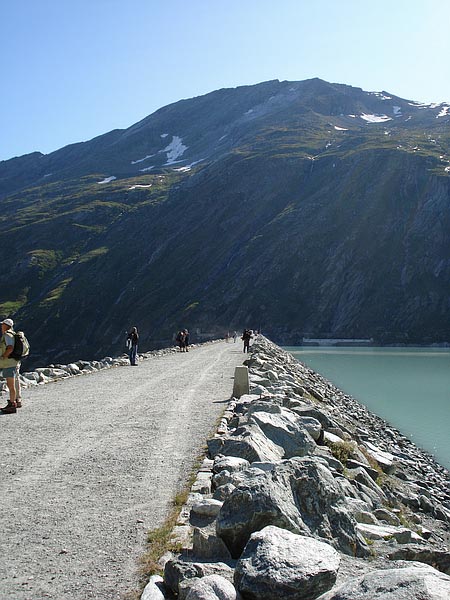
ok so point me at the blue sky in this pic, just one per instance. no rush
(74, 69)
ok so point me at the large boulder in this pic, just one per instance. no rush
(153, 589)
(439, 559)
(384, 459)
(410, 583)
(207, 546)
(177, 571)
(362, 476)
(299, 495)
(312, 426)
(285, 430)
(279, 564)
(249, 442)
(212, 587)
(402, 535)
(207, 507)
(31, 376)
(311, 411)
(230, 463)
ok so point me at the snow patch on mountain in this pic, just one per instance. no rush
(375, 118)
(189, 167)
(133, 187)
(397, 110)
(147, 169)
(164, 135)
(174, 150)
(444, 106)
(380, 95)
(135, 162)
(107, 180)
(340, 128)
(419, 104)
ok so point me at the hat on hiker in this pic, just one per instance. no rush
(8, 322)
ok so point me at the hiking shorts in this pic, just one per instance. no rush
(9, 372)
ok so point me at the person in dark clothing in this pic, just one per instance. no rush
(181, 340)
(132, 344)
(186, 340)
(246, 336)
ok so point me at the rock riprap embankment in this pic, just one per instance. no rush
(306, 494)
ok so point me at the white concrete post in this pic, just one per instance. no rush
(241, 383)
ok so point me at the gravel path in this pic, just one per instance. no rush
(89, 464)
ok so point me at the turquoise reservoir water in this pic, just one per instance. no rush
(409, 387)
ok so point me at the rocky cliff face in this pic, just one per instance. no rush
(304, 208)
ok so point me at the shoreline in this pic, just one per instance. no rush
(297, 464)
(384, 423)
(403, 426)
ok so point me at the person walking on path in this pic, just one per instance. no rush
(181, 340)
(10, 367)
(132, 343)
(186, 340)
(235, 336)
(246, 336)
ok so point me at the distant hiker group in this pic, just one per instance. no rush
(132, 341)
(182, 340)
(14, 347)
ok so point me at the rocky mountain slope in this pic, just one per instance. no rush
(304, 208)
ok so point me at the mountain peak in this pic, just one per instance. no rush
(306, 207)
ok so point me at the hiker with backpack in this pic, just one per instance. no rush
(247, 336)
(13, 346)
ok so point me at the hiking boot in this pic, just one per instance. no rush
(19, 403)
(9, 409)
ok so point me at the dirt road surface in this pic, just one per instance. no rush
(90, 463)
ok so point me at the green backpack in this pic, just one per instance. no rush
(21, 346)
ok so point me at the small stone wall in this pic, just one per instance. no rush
(306, 494)
(56, 372)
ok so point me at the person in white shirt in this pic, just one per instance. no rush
(9, 367)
